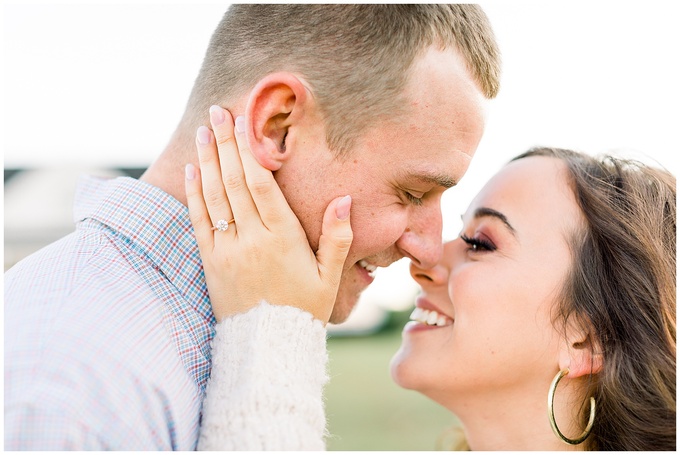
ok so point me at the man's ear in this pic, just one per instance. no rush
(580, 351)
(275, 105)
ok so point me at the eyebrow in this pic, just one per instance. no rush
(487, 212)
(442, 180)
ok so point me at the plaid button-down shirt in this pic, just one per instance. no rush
(107, 331)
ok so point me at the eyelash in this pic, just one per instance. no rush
(478, 245)
(413, 200)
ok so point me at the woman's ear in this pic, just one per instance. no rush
(274, 107)
(580, 351)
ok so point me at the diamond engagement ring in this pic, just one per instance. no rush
(222, 225)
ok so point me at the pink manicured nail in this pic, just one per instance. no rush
(342, 209)
(203, 135)
(190, 171)
(216, 115)
(240, 124)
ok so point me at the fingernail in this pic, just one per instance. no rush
(216, 115)
(203, 135)
(240, 124)
(190, 171)
(342, 209)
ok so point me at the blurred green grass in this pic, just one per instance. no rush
(366, 410)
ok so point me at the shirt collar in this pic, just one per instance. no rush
(152, 222)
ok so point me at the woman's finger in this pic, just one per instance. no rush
(336, 239)
(233, 178)
(265, 191)
(214, 193)
(198, 212)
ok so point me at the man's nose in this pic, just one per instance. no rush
(422, 240)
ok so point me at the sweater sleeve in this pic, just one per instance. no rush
(266, 386)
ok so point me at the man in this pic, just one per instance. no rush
(108, 330)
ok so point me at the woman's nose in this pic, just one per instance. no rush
(439, 274)
(430, 277)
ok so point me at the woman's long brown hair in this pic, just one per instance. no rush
(623, 284)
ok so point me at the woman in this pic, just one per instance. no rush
(549, 324)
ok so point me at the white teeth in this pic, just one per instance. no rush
(428, 317)
(369, 267)
(417, 314)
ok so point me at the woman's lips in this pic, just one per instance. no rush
(424, 304)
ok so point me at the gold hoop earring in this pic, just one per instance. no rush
(551, 412)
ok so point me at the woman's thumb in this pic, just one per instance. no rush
(336, 238)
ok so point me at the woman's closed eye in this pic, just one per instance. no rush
(478, 244)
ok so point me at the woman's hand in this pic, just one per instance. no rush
(264, 253)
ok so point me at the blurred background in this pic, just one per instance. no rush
(98, 87)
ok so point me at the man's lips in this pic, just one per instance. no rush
(370, 268)
(367, 275)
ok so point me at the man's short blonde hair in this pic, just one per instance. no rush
(355, 57)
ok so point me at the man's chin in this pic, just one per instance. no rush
(340, 315)
(343, 309)
(351, 287)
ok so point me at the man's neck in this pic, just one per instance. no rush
(167, 172)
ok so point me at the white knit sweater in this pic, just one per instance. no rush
(266, 387)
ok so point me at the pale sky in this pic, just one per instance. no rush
(108, 81)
